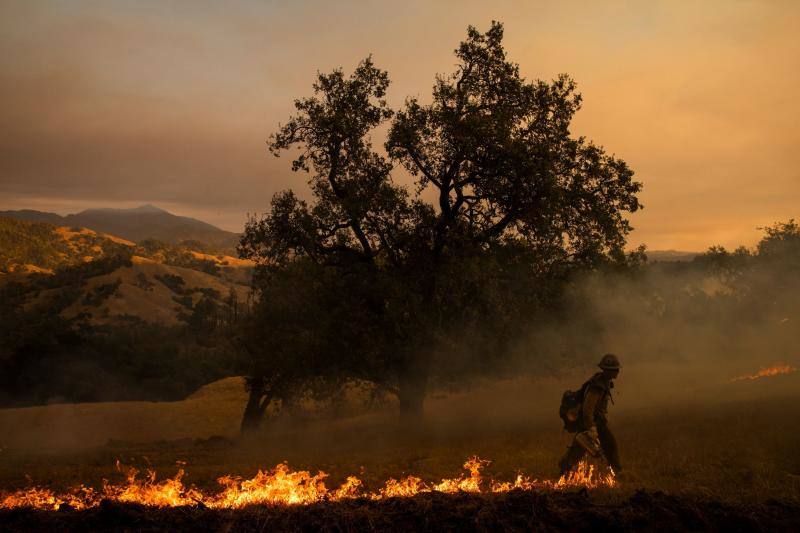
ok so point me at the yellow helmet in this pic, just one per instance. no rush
(609, 362)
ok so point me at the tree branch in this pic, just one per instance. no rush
(342, 195)
(422, 168)
(498, 227)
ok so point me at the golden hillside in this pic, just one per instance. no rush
(151, 281)
(148, 290)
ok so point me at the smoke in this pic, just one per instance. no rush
(681, 330)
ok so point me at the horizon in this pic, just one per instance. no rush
(131, 206)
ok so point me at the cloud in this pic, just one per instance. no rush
(171, 103)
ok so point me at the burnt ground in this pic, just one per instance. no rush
(513, 511)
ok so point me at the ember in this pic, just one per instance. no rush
(283, 486)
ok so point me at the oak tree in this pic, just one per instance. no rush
(498, 183)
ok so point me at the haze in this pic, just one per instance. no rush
(122, 103)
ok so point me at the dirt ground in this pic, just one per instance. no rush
(513, 511)
(700, 459)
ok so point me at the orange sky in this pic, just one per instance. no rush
(121, 103)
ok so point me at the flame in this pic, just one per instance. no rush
(283, 486)
(766, 372)
(470, 484)
(586, 476)
(403, 488)
(149, 491)
(583, 475)
(521, 482)
(278, 486)
(41, 498)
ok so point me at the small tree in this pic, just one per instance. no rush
(512, 189)
(781, 240)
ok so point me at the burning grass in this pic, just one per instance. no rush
(284, 486)
(766, 372)
(282, 499)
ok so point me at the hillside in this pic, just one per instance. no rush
(155, 282)
(146, 290)
(87, 316)
(42, 247)
(137, 224)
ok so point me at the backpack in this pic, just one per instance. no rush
(570, 408)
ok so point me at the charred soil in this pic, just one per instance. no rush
(513, 511)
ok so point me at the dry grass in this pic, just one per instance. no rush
(213, 410)
(741, 451)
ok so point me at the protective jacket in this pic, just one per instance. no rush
(597, 393)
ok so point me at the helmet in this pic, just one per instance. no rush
(609, 362)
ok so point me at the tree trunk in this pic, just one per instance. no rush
(413, 379)
(412, 388)
(253, 414)
(257, 403)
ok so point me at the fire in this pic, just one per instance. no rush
(586, 476)
(279, 486)
(403, 488)
(521, 482)
(149, 491)
(413, 485)
(41, 498)
(283, 486)
(766, 372)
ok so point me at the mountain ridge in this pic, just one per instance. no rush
(144, 208)
(137, 224)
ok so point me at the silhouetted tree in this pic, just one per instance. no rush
(512, 190)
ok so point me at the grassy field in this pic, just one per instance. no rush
(737, 445)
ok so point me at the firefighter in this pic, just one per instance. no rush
(594, 435)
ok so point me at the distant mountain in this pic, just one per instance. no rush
(670, 255)
(137, 224)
